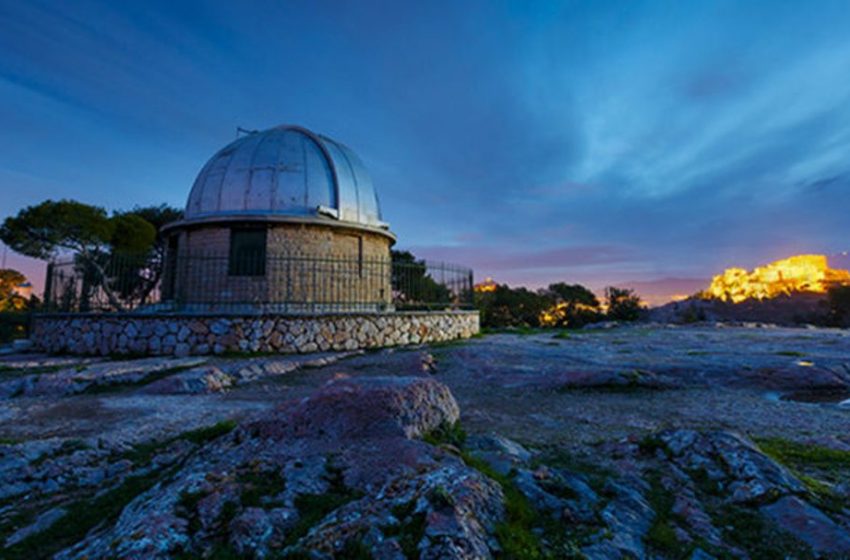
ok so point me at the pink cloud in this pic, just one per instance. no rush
(496, 259)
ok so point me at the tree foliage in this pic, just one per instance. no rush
(141, 267)
(10, 300)
(838, 301)
(574, 293)
(119, 254)
(413, 286)
(512, 307)
(623, 304)
(575, 306)
(42, 230)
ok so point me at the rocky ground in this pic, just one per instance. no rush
(626, 442)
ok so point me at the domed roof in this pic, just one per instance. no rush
(285, 171)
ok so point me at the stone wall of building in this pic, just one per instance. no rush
(182, 335)
(347, 267)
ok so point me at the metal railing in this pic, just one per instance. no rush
(280, 283)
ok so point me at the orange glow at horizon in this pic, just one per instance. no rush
(800, 273)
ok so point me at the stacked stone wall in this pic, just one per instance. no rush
(183, 335)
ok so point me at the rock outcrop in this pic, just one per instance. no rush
(338, 471)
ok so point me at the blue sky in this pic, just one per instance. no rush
(598, 142)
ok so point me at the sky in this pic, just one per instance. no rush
(653, 143)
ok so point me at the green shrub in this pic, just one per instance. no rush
(446, 433)
(14, 325)
(623, 304)
(511, 307)
(838, 302)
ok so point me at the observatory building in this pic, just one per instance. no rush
(286, 219)
(281, 248)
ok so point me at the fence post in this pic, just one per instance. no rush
(48, 286)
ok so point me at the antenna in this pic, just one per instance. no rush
(240, 130)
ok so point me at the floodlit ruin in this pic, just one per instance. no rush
(800, 273)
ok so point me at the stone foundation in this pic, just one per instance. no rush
(183, 335)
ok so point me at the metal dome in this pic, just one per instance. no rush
(285, 171)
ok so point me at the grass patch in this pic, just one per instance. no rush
(143, 453)
(525, 534)
(259, 485)
(100, 388)
(803, 460)
(650, 444)
(209, 433)
(823, 494)
(661, 536)
(704, 483)
(747, 529)
(595, 476)
(559, 490)
(224, 552)
(410, 529)
(85, 514)
(799, 456)
(447, 343)
(10, 441)
(187, 507)
(515, 534)
(355, 549)
(524, 331)
(68, 446)
(446, 434)
(12, 371)
(790, 353)
(82, 517)
(312, 508)
(521, 331)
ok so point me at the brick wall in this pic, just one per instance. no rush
(335, 267)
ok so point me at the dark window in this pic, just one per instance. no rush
(247, 252)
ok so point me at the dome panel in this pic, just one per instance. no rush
(285, 171)
(346, 181)
(367, 201)
(237, 175)
(292, 184)
(318, 172)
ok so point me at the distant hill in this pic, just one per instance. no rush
(663, 290)
(795, 309)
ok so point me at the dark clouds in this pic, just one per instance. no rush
(596, 142)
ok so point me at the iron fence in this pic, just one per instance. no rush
(285, 283)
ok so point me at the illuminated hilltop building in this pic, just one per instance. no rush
(488, 285)
(800, 273)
